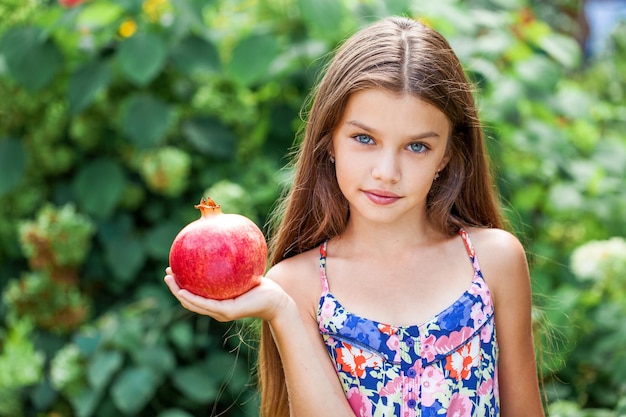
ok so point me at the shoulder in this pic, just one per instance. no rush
(299, 276)
(497, 243)
(502, 261)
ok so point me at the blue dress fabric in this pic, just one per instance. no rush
(446, 366)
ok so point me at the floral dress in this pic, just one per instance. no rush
(443, 367)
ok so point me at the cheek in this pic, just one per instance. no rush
(346, 175)
(340, 172)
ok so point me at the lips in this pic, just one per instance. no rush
(381, 197)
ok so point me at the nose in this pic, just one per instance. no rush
(386, 167)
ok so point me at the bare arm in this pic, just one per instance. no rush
(309, 373)
(504, 265)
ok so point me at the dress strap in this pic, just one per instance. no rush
(323, 267)
(470, 249)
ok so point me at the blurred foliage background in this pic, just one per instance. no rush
(118, 115)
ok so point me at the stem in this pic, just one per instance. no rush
(208, 207)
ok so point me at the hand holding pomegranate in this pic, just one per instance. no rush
(264, 301)
(217, 264)
(218, 256)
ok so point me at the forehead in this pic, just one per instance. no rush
(404, 114)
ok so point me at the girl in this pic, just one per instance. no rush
(376, 304)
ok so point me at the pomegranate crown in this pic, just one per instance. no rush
(208, 206)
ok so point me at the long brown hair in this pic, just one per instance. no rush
(404, 57)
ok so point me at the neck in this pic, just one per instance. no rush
(388, 238)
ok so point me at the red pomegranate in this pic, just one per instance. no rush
(218, 256)
(70, 3)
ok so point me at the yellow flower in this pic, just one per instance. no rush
(128, 28)
(424, 21)
(154, 9)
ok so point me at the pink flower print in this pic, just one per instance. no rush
(485, 296)
(360, 404)
(485, 388)
(445, 344)
(329, 315)
(392, 387)
(327, 310)
(486, 333)
(478, 314)
(496, 386)
(330, 341)
(432, 380)
(461, 363)
(460, 406)
(393, 343)
(428, 348)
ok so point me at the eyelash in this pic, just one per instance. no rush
(358, 137)
(423, 147)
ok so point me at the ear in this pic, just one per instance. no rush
(444, 162)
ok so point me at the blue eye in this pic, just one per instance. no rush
(417, 147)
(364, 139)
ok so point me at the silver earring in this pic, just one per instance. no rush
(436, 175)
(332, 159)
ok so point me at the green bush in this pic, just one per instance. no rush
(119, 115)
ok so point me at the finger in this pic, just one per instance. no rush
(217, 309)
(189, 300)
(172, 285)
(220, 310)
(168, 270)
(196, 302)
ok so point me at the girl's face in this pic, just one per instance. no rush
(388, 149)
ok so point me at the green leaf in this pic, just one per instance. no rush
(565, 197)
(323, 16)
(85, 83)
(226, 369)
(31, 58)
(159, 239)
(125, 332)
(87, 342)
(142, 57)
(397, 7)
(181, 335)
(529, 198)
(98, 186)
(99, 14)
(196, 383)
(44, 395)
(13, 162)
(189, 13)
(252, 58)
(194, 54)
(158, 358)
(145, 119)
(539, 72)
(133, 388)
(572, 101)
(102, 368)
(610, 155)
(210, 137)
(85, 401)
(563, 49)
(125, 256)
(174, 412)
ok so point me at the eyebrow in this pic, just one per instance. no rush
(419, 136)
